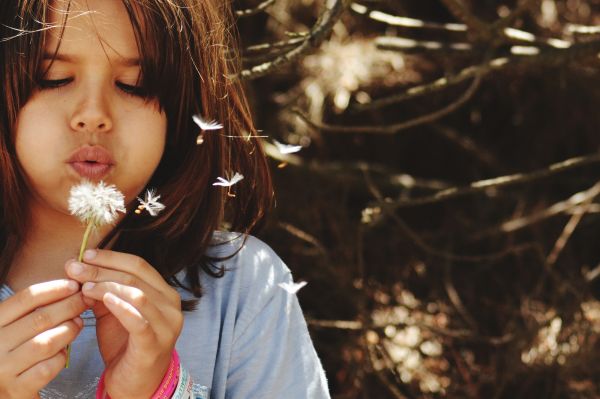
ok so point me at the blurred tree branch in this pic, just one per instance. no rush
(500, 182)
(253, 11)
(396, 127)
(331, 14)
(497, 280)
(476, 27)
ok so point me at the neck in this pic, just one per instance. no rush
(52, 239)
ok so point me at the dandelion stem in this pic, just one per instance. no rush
(84, 242)
(68, 356)
(86, 237)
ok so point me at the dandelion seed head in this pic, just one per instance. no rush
(96, 203)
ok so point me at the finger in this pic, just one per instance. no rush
(136, 298)
(42, 319)
(140, 330)
(30, 298)
(38, 376)
(124, 262)
(44, 346)
(84, 272)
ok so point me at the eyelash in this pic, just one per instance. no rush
(135, 91)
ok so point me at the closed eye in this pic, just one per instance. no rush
(136, 91)
(53, 83)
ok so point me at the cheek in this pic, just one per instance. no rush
(34, 138)
(145, 143)
(152, 142)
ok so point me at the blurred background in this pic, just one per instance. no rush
(443, 203)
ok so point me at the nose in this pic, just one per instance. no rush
(92, 115)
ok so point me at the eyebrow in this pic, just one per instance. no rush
(125, 61)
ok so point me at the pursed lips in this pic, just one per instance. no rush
(92, 162)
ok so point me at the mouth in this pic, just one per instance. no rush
(91, 170)
(91, 162)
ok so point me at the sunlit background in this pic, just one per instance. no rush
(443, 206)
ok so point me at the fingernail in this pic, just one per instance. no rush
(90, 254)
(76, 268)
(88, 286)
(72, 285)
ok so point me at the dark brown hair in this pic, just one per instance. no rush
(186, 48)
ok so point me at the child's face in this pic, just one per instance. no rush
(89, 99)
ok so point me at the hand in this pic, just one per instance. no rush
(36, 324)
(138, 320)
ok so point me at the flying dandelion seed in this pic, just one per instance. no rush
(150, 203)
(228, 183)
(286, 148)
(206, 125)
(292, 287)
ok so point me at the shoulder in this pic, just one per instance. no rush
(258, 326)
(249, 258)
(253, 272)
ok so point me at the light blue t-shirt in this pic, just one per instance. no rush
(247, 338)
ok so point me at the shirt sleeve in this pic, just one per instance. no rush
(272, 353)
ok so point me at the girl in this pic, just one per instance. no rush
(105, 90)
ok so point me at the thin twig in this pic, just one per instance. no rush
(456, 334)
(501, 181)
(273, 46)
(336, 324)
(405, 22)
(438, 84)
(253, 11)
(580, 211)
(582, 29)
(382, 377)
(437, 253)
(408, 46)
(455, 299)
(352, 171)
(425, 247)
(302, 235)
(517, 12)
(468, 145)
(592, 274)
(395, 128)
(463, 14)
(558, 208)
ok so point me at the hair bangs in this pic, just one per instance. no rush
(168, 73)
